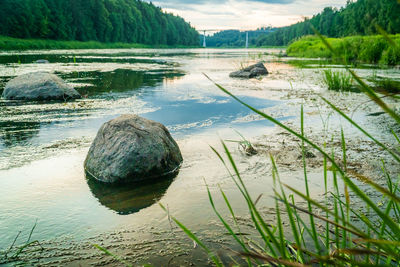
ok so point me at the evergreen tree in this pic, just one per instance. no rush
(357, 18)
(132, 21)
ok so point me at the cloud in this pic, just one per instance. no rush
(244, 14)
(163, 3)
(281, 2)
(217, 2)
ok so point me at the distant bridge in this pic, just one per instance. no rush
(219, 30)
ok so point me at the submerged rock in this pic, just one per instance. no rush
(131, 149)
(39, 86)
(42, 61)
(250, 72)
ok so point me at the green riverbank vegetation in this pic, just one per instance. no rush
(105, 21)
(368, 49)
(9, 43)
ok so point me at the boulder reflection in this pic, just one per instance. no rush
(129, 198)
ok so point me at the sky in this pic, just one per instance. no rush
(244, 14)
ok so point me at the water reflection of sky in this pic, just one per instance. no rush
(179, 97)
(188, 116)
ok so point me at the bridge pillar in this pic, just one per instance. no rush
(247, 40)
(204, 39)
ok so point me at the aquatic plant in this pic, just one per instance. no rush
(385, 84)
(244, 144)
(346, 236)
(337, 80)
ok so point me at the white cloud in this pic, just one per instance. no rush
(245, 14)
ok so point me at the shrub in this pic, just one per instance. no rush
(368, 49)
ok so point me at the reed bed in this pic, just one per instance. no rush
(337, 80)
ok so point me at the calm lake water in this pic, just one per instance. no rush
(43, 145)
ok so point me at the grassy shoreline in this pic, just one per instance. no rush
(9, 44)
(368, 49)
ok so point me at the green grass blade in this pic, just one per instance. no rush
(312, 223)
(195, 239)
(256, 224)
(226, 225)
(283, 198)
(394, 227)
(112, 255)
(385, 35)
(258, 219)
(395, 156)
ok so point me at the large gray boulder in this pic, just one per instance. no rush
(39, 86)
(250, 72)
(132, 149)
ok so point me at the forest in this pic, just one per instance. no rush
(236, 38)
(356, 18)
(127, 21)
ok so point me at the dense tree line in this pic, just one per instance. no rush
(131, 21)
(235, 38)
(356, 18)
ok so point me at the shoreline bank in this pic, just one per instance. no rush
(10, 44)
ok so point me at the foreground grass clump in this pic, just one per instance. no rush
(9, 43)
(367, 49)
(331, 231)
(337, 80)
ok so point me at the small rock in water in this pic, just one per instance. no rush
(307, 154)
(42, 61)
(250, 150)
(132, 149)
(250, 72)
(39, 86)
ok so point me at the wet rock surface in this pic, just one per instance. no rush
(42, 61)
(132, 149)
(250, 72)
(39, 86)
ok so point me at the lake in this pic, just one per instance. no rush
(43, 146)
